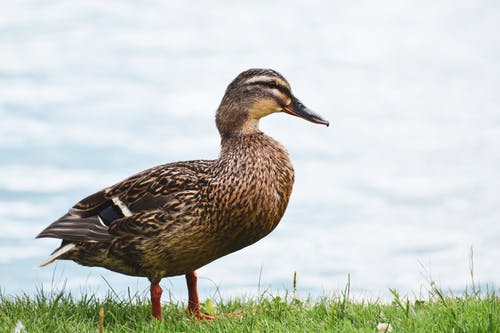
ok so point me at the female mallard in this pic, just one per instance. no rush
(175, 218)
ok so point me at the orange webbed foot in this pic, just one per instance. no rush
(198, 315)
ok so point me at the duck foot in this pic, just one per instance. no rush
(198, 315)
(194, 307)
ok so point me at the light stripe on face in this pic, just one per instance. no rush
(267, 80)
(278, 88)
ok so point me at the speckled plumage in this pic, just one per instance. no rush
(175, 218)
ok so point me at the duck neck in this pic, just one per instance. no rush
(241, 142)
(236, 118)
(238, 127)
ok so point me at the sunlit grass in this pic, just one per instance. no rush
(473, 311)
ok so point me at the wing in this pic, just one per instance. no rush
(131, 204)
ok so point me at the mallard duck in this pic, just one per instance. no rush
(175, 218)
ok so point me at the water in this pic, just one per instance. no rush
(394, 194)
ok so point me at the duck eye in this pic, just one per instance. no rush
(272, 85)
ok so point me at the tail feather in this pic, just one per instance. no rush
(75, 228)
(57, 253)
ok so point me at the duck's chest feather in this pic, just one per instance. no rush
(249, 190)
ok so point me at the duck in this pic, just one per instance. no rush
(174, 218)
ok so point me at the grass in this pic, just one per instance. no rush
(60, 312)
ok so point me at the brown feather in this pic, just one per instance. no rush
(184, 215)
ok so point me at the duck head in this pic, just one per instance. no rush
(254, 94)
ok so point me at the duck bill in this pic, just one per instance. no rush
(296, 108)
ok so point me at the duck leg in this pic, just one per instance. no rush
(194, 307)
(156, 292)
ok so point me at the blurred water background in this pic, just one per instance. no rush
(393, 194)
